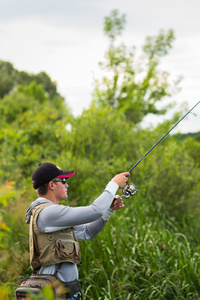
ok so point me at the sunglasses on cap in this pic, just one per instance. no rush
(63, 180)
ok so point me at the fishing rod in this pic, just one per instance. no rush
(130, 189)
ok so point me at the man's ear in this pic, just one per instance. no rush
(51, 185)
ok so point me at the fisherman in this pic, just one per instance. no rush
(55, 229)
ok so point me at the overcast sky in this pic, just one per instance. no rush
(65, 39)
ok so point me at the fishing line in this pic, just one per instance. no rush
(133, 167)
(160, 161)
(131, 189)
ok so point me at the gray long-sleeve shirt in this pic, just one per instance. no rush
(88, 221)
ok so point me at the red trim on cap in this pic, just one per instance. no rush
(66, 176)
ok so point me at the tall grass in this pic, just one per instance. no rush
(141, 255)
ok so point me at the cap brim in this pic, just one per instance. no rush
(67, 174)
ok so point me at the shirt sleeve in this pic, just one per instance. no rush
(90, 230)
(56, 217)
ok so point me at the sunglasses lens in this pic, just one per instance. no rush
(63, 180)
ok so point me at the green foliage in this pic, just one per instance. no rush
(6, 192)
(32, 126)
(152, 259)
(134, 85)
(159, 46)
(11, 77)
(114, 25)
(90, 138)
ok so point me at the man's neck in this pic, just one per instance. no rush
(51, 197)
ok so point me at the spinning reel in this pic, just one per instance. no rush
(129, 190)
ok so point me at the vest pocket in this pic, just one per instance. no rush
(67, 248)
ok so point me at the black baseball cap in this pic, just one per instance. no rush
(46, 172)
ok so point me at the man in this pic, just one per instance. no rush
(55, 229)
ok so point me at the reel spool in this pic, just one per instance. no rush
(129, 190)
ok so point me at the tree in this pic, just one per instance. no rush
(7, 77)
(11, 77)
(133, 86)
(32, 128)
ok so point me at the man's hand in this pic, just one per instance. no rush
(121, 179)
(117, 203)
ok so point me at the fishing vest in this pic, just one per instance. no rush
(52, 247)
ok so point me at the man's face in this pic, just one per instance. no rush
(60, 189)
